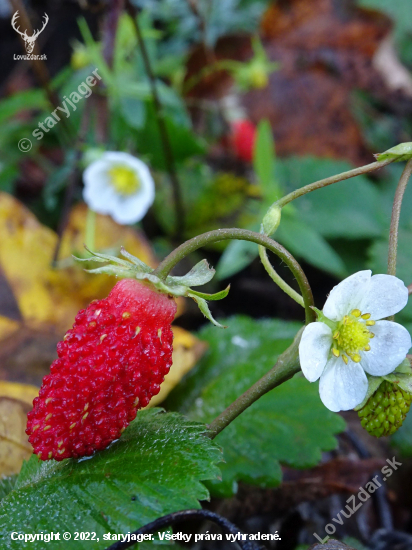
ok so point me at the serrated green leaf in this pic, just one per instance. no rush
(288, 425)
(6, 485)
(155, 468)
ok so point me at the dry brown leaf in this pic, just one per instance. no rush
(14, 445)
(326, 51)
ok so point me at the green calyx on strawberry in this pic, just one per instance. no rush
(133, 268)
(387, 401)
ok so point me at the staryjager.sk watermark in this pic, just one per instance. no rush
(84, 90)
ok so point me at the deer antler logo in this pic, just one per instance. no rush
(28, 40)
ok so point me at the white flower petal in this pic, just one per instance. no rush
(99, 196)
(385, 296)
(342, 387)
(314, 349)
(102, 197)
(388, 349)
(130, 209)
(347, 295)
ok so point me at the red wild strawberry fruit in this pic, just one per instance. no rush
(243, 138)
(109, 365)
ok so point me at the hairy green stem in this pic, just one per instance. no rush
(396, 212)
(276, 278)
(165, 267)
(332, 179)
(286, 366)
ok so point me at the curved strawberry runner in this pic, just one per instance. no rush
(109, 364)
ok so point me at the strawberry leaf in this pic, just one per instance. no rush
(155, 468)
(288, 425)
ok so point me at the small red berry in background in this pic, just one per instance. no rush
(243, 139)
(110, 364)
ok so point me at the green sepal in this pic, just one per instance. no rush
(144, 267)
(404, 367)
(373, 384)
(212, 297)
(98, 257)
(134, 268)
(401, 376)
(199, 275)
(404, 381)
(204, 308)
(400, 152)
(323, 319)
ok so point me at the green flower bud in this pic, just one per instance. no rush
(400, 152)
(271, 220)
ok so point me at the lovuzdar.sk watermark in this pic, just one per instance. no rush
(29, 41)
(354, 504)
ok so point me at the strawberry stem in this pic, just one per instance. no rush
(396, 212)
(191, 245)
(332, 179)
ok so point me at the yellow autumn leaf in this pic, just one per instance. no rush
(21, 392)
(14, 445)
(48, 297)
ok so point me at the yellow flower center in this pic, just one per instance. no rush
(352, 336)
(124, 180)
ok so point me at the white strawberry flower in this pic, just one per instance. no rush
(120, 185)
(350, 339)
